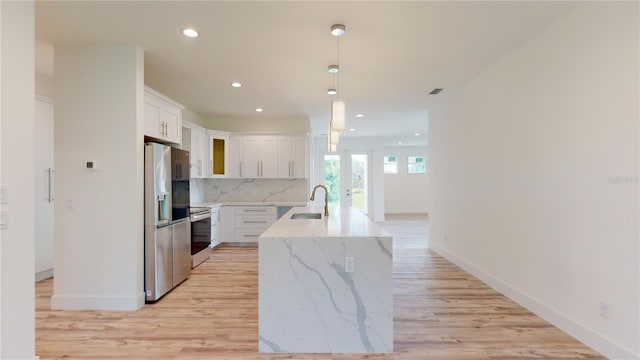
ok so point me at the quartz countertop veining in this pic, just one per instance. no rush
(325, 285)
(340, 223)
(250, 203)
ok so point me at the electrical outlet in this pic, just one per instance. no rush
(446, 238)
(349, 264)
(68, 204)
(604, 310)
(148, 292)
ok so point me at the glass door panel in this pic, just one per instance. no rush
(359, 182)
(332, 178)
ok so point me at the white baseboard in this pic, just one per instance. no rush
(588, 336)
(78, 302)
(44, 275)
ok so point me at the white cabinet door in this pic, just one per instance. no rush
(260, 157)
(162, 117)
(251, 157)
(171, 117)
(152, 125)
(218, 154)
(292, 158)
(234, 166)
(227, 224)
(285, 149)
(269, 157)
(44, 192)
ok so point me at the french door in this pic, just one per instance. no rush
(346, 175)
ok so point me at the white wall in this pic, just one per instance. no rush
(98, 249)
(534, 175)
(17, 300)
(375, 150)
(404, 192)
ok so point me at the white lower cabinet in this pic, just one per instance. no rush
(226, 224)
(249, 222)
(215, 229)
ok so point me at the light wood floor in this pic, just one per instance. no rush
(441, 312)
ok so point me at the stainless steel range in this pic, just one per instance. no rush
(200, 234)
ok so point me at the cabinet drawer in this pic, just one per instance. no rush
(254, 222)
(248, 235)
(255, 210)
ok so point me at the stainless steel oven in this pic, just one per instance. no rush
(200, 234)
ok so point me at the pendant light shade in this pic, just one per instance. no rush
(337, 115)
(330, 147)
(334, 137)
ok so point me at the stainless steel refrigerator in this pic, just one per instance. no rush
(167, 234)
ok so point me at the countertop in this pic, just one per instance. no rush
(251, 203)
(349, 222)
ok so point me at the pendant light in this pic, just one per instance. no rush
(337, 106)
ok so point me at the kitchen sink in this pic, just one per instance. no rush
(306, 216)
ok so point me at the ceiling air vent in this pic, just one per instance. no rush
(435, 91)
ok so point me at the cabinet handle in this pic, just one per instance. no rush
(290, 169)
(240, 168)
(51, 198)
(261, 172)
(254, 210)
(200, 167)
(255, 221)
(258, 169)
(293, 169)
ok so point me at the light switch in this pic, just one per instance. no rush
(3, 195)
(4, 220)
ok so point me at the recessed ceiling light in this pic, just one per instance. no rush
(360, 115)
(236, 84)
(190, 32)
(417, 134)
(337, 30)
(333, 69)
(399, 142)
(332, 91)
(352, 129)
(259, 110)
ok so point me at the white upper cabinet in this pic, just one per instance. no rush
(195, 140)
(267, 156)
(259, 157)
(162, 117)
(292, 155)
(218, 154)
(234, 156)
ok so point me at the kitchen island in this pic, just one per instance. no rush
(325, 285)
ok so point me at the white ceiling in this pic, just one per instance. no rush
(391, 56)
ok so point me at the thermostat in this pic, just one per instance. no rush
(92, 165)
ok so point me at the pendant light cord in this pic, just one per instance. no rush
(338, 76)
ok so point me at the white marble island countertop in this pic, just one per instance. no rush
(325, 285)
(340, 223)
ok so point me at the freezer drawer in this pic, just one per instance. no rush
(158, 262)
(181, 251)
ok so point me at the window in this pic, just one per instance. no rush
(416, 165)
(390, 165)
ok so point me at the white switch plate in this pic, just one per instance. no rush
(4, 220)
(3, 195)
(349, 264)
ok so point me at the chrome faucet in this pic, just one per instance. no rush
(326, 198)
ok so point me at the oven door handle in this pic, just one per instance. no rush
(198, 217)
